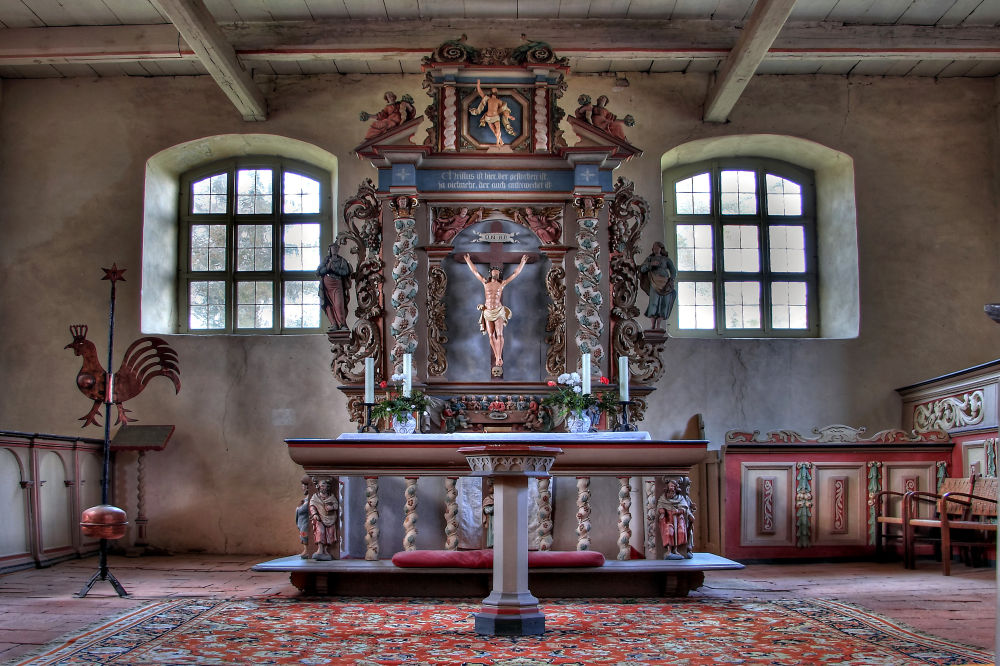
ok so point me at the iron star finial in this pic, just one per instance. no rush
(114, 273)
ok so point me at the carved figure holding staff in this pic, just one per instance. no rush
(495, 314)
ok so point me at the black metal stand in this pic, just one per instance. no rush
(369, 425)
(102, 573)
(623, 423)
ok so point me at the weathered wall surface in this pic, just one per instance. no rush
(73, 156)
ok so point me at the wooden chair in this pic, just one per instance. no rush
(893, 512)
(965, 519)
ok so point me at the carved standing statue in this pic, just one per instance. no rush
(675, 518)
(334, 288)
(302, 515)
(323, 511)
(495, 314)
(497, 113)
(393, 114)
(657, 279)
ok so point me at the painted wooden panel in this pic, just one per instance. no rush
(840, 504)
(909, 476)
(14, 536)
(766, 504)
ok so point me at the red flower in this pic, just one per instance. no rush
(382, 384)
(551, 383)
(605, 380)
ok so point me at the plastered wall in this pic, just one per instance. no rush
(72, 165)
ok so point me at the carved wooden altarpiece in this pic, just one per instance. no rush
(495, 186)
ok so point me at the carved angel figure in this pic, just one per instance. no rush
(545, 222)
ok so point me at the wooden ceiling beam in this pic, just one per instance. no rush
(766, 21)
(199, 29)
(412, 39)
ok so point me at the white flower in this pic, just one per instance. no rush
(575, 377)
(398, 377)
(563, 378)
(577, 389)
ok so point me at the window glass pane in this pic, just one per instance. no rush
(742, 304)
(254, 304)
(301, 247)
(207, 304)
(208, 247)
(784, 197)
(694, 247)
(301, 194)
(694, 195)
(788, 305)
(740, 249)
(208, 195)
(738, 191)
(254, 191)
(254, 247)
(788, 249)
(695, 305)
(301, 304)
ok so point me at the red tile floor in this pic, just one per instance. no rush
(38, 606)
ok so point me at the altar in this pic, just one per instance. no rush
(640, 467)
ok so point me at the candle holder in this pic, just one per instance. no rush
(623, 423)
(369, 425)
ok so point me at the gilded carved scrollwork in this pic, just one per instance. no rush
(437, 355)
(626, 219)
(555, 324)
(363, 218)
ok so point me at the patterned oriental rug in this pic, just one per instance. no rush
(360, 631)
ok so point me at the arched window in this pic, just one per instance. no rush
(252, 233)
(743, 232)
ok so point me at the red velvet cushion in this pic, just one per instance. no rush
(483, 559)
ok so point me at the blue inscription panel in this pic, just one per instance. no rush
(494, 180)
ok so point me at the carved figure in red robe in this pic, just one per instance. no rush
(323, 512)
(543, 221)
(393, 114)
(449, 222)
(675, 519)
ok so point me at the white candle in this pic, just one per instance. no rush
(623, 378)
(407, 375)
(585, 373)
(370, 380)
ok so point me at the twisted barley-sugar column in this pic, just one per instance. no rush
(544, 514)
(583, 513)
(624, 517)
(448, 121)
(410, 520)
(649, 491)
(451, 513)
(541, 120)
(405, 287)
(371, 518)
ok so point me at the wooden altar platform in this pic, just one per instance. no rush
(381, 578)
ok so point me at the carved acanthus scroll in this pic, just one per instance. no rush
(437, 355)
(363, 217)
(404, 275)
(626, 219)
(555, 324)
(950, 412)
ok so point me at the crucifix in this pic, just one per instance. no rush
(494, 315)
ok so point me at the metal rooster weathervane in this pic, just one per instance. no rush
(146, 358)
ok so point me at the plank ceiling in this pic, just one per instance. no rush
(87, 38)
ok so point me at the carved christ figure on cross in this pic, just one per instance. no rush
(494, 314)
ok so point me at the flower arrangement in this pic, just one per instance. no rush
(396, 405)
(570, 398)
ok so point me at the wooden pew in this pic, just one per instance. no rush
(964, 519)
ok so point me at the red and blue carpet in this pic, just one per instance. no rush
(685, 631)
